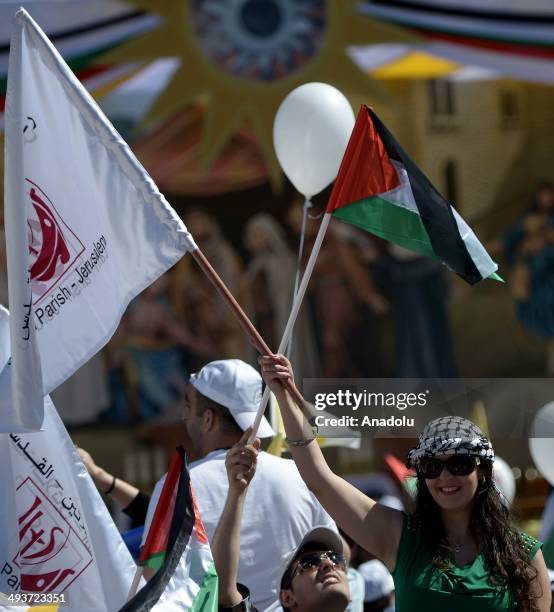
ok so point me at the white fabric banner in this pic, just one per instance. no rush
(56, 535)
(86, 227)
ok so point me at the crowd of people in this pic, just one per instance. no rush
(275, 524)
(290, 534)
(176, 325)
(282, 531)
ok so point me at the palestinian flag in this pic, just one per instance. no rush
(405, 477)
(398, 468)
(381, 190)
(177, 547)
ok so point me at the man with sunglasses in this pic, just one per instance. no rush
(313, 577)
(310, 578)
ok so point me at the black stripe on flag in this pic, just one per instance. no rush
(87, 28)
(457, 12)
(180, 531)
(435, 212)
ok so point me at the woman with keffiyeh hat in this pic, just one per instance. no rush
(459, 551)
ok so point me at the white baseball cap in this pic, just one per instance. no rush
(237, 386)
(377, 578)
(320, 535)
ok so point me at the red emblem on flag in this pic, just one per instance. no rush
(51, 555)
(53, 246)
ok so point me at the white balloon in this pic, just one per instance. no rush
(504, 479)
(542, 449)
(310, 133)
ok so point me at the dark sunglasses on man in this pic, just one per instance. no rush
(457, 465)
(312, 560)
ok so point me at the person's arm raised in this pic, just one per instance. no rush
(225, 545)
(123, 493)
(373, 526)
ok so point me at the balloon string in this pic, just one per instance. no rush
(294, 314)
(307, 206)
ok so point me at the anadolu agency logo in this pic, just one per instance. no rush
(53, 245)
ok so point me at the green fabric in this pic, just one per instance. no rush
(392, 222)
(419, 585)
(206, 599)
(389, 221)
(155, 561)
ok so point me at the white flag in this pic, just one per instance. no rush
(86, 227)
(56, 535)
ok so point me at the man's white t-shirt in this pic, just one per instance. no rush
(278, 512)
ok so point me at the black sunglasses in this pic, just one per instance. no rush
(458, 465)
(313, 560)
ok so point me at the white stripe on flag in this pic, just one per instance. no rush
(186, 582)
(477, 252)
(403, 196)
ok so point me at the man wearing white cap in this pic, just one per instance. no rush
(221, 403)
(379, 586)
(311, 577)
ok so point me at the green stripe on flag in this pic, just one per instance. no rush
(155, 561)
(390, 221)
(206, 599)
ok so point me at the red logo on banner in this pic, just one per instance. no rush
(51, 555)
(53, 246)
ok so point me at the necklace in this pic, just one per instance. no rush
(456, 548)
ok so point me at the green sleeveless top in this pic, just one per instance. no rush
(420, 586)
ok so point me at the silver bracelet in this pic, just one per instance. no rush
(303, 441)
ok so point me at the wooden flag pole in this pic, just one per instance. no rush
(252, 333)
(293, 316)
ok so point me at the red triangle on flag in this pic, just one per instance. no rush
(158, 534)
(366, 169)
(398, 468)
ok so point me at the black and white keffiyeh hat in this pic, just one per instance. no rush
(451, 435)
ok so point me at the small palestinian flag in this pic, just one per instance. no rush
(177, 547)
(405, 477)
(381, 190)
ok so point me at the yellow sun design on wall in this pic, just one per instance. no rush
(240, 58)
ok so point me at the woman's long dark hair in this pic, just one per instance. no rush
(492, 527)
